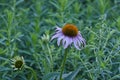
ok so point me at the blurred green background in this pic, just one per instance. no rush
(23, 24)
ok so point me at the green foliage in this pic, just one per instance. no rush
(26, 27)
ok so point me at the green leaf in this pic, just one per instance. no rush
(55, 5)
(72, 75)
(69, 4)
(50, 76)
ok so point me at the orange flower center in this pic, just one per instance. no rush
(70, 30)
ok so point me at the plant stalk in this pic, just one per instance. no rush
(33, 72)
(63, 63)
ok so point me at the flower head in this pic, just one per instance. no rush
(18, 63)
(69, 34)
(45, 38)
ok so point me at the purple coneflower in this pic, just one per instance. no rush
(69, 34)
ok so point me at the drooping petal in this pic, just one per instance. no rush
(76, 43)
(58, 32)
(79, 42)
(79, 34)
(56, 35)
(68, 42)
(59, 39)
(58, 29)
(82, 40)
(64, 42)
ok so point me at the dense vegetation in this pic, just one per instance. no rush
(26, 27)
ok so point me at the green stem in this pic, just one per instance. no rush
(51, 59)
(33, 72)
(63, 64)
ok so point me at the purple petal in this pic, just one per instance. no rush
(59, 39)
(63, 41)
(79, 34)
(79, 40)
(82, 40)
(58, 29)
(56, 35)
(76, 43)
(68, 42)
